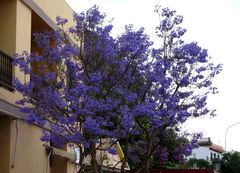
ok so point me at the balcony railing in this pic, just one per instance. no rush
(6, 71)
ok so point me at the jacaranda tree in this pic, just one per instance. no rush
(88, 86)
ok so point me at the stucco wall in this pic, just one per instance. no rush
(8, 26)
(23, 33)
(15, 33)
(7, 35)
(21, 150)
(30, 155)
(4, 144)
(15, 37)
(54, 8)
(58, 164)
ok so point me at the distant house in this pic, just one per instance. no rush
(207, 150)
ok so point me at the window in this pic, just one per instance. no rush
(6, 73)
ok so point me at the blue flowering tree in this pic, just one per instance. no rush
(88, 86)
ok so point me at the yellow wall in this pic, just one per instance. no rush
(71, 167)
(58, 164)
(15, 37)
(30, 155)
(63, 165)
(56, 8)
(21, 150)
(8, 26)
(7, 35)
(4, 144)
(23, 34)
(15, 32)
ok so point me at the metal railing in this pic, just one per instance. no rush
(6, 71)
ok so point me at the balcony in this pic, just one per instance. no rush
(6, 71)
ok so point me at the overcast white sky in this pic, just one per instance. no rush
(215, 25)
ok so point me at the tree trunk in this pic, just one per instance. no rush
(146, 169)
(125, 159)
(123, 165)
(94, 162)
(146, 163)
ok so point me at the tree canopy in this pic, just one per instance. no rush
(91, 86)
(231, 162)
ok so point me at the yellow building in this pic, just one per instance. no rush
(20, 148)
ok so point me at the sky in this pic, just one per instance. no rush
(215, 25)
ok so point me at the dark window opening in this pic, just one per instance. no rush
(6, 71)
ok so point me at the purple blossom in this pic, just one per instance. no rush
(112, 150)
(117, 87)
(61, 21)
(163, 155)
